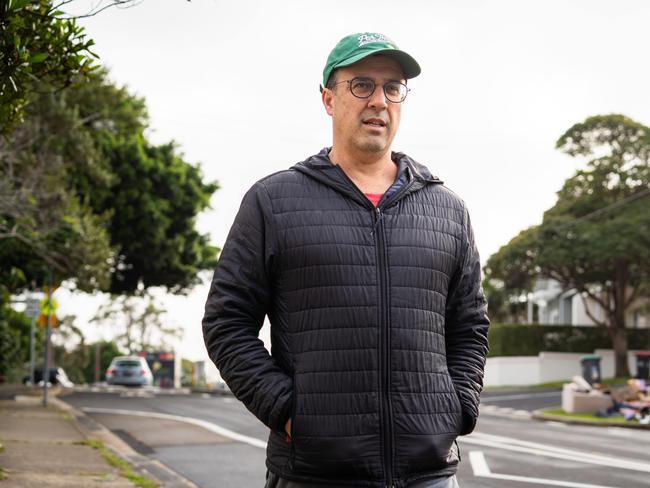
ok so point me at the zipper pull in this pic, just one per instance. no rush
(378, 216)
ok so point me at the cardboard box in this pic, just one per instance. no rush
(574, 401)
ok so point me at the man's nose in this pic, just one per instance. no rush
(378, 98)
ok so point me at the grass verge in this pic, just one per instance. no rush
(121, 464)
(553, 385)
(65, 415)
(558, 412)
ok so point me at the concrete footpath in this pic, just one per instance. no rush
(59, 446)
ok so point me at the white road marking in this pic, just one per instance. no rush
(137, 394)
(520, 396)
(554, 423)
(493, 410)
(522, 413)
(481, 469)
(200, 423)
(477, 460)
(622, 432)
(479, 464)
(510, 444)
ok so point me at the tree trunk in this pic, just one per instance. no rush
(617, 318)
(619, 342)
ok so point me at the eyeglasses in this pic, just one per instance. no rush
(362, 87)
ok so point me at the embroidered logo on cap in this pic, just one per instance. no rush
(368, 38)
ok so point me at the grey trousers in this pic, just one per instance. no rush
(273, 481)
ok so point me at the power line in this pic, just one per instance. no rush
(608, 208)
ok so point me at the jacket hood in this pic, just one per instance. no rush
(320, 167)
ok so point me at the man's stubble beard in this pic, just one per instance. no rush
(369, 145)
(372, 147)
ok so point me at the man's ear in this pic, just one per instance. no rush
(328, 100)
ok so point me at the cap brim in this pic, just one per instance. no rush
(410, 67)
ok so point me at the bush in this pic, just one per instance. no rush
(14, 343)
(530, 340)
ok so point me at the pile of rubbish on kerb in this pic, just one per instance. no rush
(630, 401)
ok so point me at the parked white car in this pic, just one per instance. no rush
(129, 371)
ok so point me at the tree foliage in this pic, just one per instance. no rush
(137, 323)
(14, 343)
(85, 192)
(154, 198)
(79, 362)
(45, 221)
(596, 238)
(40, 49)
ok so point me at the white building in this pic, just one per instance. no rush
(557, 306)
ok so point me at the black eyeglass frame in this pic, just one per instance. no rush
(365, 78)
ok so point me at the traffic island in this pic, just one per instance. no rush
(591, 403)
(559, 415)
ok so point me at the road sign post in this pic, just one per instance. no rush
(32, 311)
(46, 362)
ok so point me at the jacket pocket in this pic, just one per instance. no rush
(457, 403)
(292, 438)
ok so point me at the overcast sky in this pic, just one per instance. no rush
(235, 83)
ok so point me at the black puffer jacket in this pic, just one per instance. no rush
(378, 324)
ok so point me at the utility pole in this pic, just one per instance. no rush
(97, 361)
(46, 362)
(32, 339)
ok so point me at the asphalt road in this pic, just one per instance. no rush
(522, 400)
(220, 444)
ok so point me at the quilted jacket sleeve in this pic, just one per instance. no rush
(234, 313)
(466, 329)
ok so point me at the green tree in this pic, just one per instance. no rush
(138, 322)
(596, 238)
(83, 191)
(187, 373)
(509, 275)
(45, 222)
(79, 361)
(153, 198)
(39, 49)
(14, 343)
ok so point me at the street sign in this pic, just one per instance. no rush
(32, 309)
(48, 305)
(42, 320)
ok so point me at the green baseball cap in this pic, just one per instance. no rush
(355, 47)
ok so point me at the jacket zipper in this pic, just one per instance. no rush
(387, 409)
(387, 417)
(389, 453)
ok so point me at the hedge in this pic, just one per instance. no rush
(530, 340)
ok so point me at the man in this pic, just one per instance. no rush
(367, 269)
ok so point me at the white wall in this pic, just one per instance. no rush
(547, 366)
